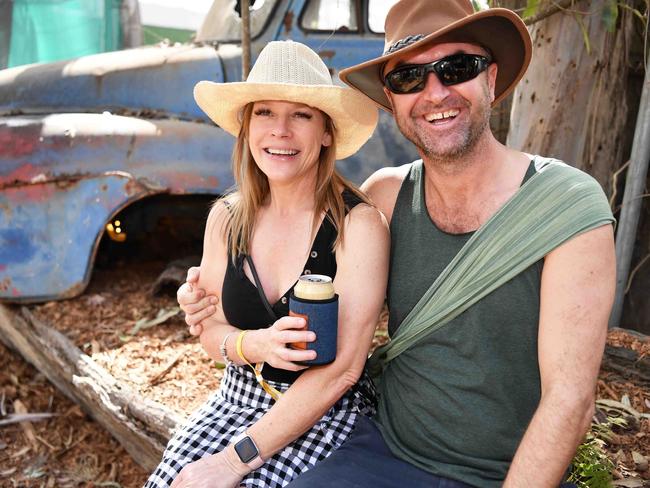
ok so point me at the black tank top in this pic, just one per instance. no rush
(244, 304)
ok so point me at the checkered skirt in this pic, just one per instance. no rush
(239, 403)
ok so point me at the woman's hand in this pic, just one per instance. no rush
(221, 470)
(271, 345)
(194, 302)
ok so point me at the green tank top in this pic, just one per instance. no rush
(457, 403)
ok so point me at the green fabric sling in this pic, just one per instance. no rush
(557, 203)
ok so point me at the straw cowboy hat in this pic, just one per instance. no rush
(290, 71)
(412, 24)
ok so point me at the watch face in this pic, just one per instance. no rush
(246, 450)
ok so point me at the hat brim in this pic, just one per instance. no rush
(354, 120)
(499, 30)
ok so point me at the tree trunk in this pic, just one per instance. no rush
(571, 104)
(143, 427)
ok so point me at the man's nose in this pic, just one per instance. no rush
(434, 90)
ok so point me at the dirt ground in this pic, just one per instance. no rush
(142, 340)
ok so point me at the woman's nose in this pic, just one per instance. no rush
(281, 127)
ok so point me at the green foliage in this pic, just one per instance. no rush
(591, 466)
(532, 6)
(583, 29)
(479, 5)
(610, 15)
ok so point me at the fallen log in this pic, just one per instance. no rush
(628, 363)
(142, 426)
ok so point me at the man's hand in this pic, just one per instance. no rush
(221, 470)
(194, 302)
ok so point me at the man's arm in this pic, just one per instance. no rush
(577, 292)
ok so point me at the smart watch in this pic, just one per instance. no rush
(247, 451)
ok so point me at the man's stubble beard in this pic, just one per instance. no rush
(467, 136)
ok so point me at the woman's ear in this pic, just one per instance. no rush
(327, 139)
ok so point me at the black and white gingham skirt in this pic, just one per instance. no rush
(239, 403)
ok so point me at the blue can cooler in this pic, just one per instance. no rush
(322, 318)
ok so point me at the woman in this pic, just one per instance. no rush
(292, 214)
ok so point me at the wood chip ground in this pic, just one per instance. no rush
(113, 322)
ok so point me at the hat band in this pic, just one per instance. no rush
(402, 43)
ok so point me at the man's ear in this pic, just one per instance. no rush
(492, 79)
(389, 95)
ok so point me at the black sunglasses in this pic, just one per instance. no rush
(454, 69)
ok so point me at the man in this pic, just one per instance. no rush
(503, 393)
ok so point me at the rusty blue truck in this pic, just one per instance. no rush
(99, 148)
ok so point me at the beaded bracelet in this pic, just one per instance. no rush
(223, 349)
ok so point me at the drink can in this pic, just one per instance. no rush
(314, 287)
(313, 299)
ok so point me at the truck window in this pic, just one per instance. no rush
(329, 15)
(223, 23)
(377, 11)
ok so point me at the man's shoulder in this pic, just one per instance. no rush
(383, 186)
(571, 173)
(387, 179)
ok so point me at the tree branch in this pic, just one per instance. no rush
(553, 9)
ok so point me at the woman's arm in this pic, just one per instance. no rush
(263, 345)
(362, 262)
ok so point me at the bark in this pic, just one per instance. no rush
(628, 364)
(571, 104)
(143, 427)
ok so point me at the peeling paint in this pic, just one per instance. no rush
(288, 22)
(23, 173)
(13, 146)
(5, 284)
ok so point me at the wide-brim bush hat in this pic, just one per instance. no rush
(412, 24)
(290, 71)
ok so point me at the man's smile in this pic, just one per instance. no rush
(434, 117)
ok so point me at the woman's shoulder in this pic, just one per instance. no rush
(219, 215)
(365, 217)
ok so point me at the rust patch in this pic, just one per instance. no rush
(179, 182)
(22, 180)
(28, 193)
(22, 174)
(329, 54)
(73, 291)
(13, 144)
(132, 187)
(288, 22)
(5, 284)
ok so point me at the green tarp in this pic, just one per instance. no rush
(52, 30)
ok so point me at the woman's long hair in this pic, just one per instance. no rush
(252, 190)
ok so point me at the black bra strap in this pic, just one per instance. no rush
(260, 290)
